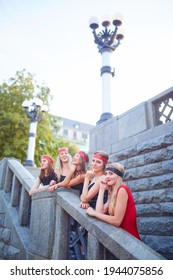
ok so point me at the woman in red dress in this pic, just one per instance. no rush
(120, 208)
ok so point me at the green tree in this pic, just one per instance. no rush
(14, 124)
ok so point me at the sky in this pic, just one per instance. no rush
(52, 40)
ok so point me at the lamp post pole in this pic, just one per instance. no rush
(107, 41)
(34, 110)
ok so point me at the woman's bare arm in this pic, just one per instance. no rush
(67, 179)
(119, 212)
(77, 180)
(87, 195)
(102, 207)
(35, 187)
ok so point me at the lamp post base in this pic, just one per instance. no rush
(29, 162)
(104, 117)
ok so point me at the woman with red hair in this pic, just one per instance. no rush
(46, 175)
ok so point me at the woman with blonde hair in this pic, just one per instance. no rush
(75, 176)
(63, 163)
(119, 210)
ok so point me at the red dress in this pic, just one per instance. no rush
(129, 220)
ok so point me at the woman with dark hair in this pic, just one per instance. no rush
(119, 210)
(92, 180)
(76, 174)
(46, 175)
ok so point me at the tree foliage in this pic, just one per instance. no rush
(14, 123)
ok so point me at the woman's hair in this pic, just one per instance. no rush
(58, 166)
(104, 155)
(50, 170)
(112, 191)
(83, 160)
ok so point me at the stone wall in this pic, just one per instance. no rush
(146, 151)
(149, 174)
(13, 238)
(15, 182)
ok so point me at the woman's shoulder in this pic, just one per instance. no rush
(79, 175)
(53, 176)
(123, 186)
(91, 185)
(126, 189)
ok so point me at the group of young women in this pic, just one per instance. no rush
(102, 191)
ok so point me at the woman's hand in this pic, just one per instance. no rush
(52, 183)
(89, 174)
(84, 205)
(103, 183)
(59, 185)
(52, 188)
(30, 192)
(90, 211)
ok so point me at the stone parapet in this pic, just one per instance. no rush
(44, 232)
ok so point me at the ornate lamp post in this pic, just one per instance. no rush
(107, 41)
(35, 110)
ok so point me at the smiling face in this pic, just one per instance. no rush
(64, 156)
(76, 159)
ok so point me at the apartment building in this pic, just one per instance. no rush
(75, 132)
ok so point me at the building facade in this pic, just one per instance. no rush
(75, 132)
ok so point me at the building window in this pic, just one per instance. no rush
(65, 133)
(74, 135)
(84, 136)
(76, 126)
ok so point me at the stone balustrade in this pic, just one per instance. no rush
(37, 228)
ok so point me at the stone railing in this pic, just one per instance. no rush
(15, 183)
(39, 229)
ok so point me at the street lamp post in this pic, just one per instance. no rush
(35, 110)
(107, 41)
